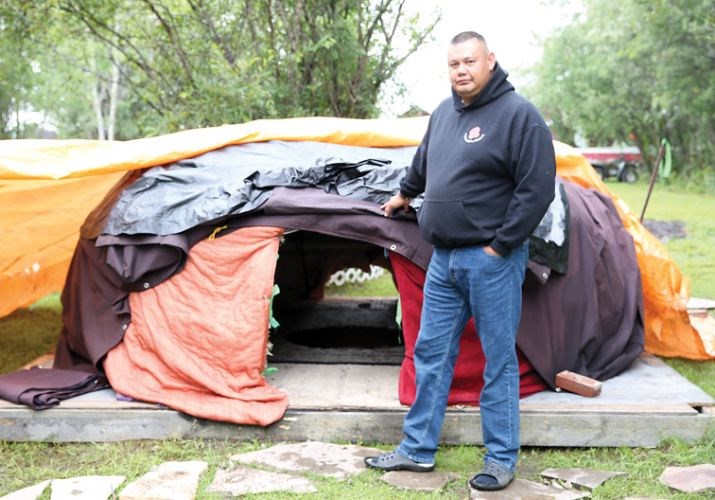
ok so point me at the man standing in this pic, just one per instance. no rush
(486, 167)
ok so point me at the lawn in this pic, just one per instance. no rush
(31, 332)
(25, 464)
(695, 253)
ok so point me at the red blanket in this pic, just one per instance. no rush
(468, 382)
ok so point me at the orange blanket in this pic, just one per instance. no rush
(197, 342)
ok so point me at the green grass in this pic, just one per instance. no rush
(25, 464)
(695, 254)
(29, 333)
(383, 286)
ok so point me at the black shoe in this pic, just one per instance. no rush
(492, 477)
(394, 461)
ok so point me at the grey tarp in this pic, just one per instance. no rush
(238, 179)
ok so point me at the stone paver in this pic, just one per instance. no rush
(244, 480)
(420, 481)
(691, 479)
(325, 459)
(167, 481)
(85, 487)
(523, 489)
(581, 477)
(29, 493)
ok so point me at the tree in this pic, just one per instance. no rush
(635, 70)
(196, 63)
(48, 66)
(127, 68)
(16, 72)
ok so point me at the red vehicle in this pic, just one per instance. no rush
(619, 162)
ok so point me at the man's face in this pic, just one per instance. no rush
(470, 66)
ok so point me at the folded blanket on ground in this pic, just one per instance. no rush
(42, 388)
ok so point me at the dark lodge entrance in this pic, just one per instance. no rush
(324, 329)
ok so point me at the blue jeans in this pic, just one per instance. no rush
(462, 282)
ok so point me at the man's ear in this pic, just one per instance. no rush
(492, 61)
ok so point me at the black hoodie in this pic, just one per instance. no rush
(486, 169)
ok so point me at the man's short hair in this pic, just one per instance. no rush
(467, 35)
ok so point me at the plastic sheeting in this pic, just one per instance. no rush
(40, 219)
(47, 187)
(236, 180)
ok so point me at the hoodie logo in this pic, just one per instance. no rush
(474, 135)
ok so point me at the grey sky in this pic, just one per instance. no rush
(513, 29)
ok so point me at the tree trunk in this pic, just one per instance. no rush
(97, 103)
(113, 98)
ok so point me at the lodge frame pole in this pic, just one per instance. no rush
(653, 177)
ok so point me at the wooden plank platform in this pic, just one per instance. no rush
(345, 402)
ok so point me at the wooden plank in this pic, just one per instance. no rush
(338, 386)
(526, 408)
(553, 429)
(700, 303)
(705, 326)
(708, 410)
(648, 381)
(644, 405)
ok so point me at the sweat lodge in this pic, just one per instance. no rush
(199, 253)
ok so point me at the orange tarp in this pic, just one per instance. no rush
(197, 342)
(38, 238)
(39, 223)
(668, 330)
(40, 218)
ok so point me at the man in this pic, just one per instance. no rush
(486, 167)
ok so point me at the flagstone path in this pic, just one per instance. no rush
(289, 467)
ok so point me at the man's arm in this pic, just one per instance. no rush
(535, 177)
(414, 181)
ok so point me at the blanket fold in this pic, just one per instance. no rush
(43, 388)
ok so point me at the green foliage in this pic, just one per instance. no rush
(154, 67)
(16, 71)
(635, 71)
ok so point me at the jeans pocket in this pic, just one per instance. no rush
(491, 255)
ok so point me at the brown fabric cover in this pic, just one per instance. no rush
(590, 320)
